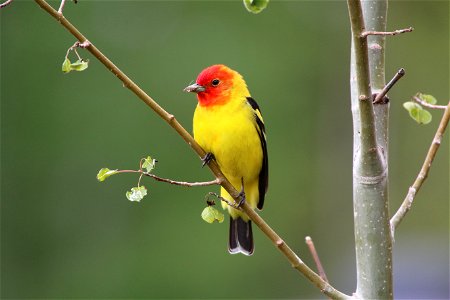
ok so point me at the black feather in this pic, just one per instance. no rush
(263, 183)
(241, 236)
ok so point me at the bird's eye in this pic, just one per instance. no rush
(215, 82)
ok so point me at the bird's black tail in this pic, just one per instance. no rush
(241, 236)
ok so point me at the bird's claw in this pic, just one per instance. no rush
(207, 158)
(241, 196)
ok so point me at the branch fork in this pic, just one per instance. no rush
(61, 6)
(76, 45)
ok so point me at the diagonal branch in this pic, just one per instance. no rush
(290, 255)
(423, 174)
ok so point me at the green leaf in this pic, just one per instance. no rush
(255, 6)
(417, 112)
(105, 173)
(210, 214)
(424, 117)
(66, 66)
(136, 193)
(79, 65)
(149, 164)
(427, 98)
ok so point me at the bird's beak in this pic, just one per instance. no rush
(194, 88)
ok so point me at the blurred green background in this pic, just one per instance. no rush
(65, 235)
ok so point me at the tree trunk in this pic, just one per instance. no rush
(370, 153)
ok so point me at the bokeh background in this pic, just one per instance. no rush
(65, 235)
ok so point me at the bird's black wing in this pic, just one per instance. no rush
(264, 173)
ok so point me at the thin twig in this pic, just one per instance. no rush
(426, 104)
(290, 255)
(316, 258)
(6, 3)
(76, 52)
(61, 7)
(174, 182)
(423, 174)
(395, 32)
(183, 183)
(380, 97)
(63, 2)
(140, 177)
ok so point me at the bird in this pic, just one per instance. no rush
(229, 126)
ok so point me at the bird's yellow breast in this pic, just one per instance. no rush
(230, 134)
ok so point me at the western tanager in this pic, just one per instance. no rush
(228, 125)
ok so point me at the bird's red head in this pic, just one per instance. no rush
(217, 85)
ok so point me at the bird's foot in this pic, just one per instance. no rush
(241, 196)
(207, 158)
